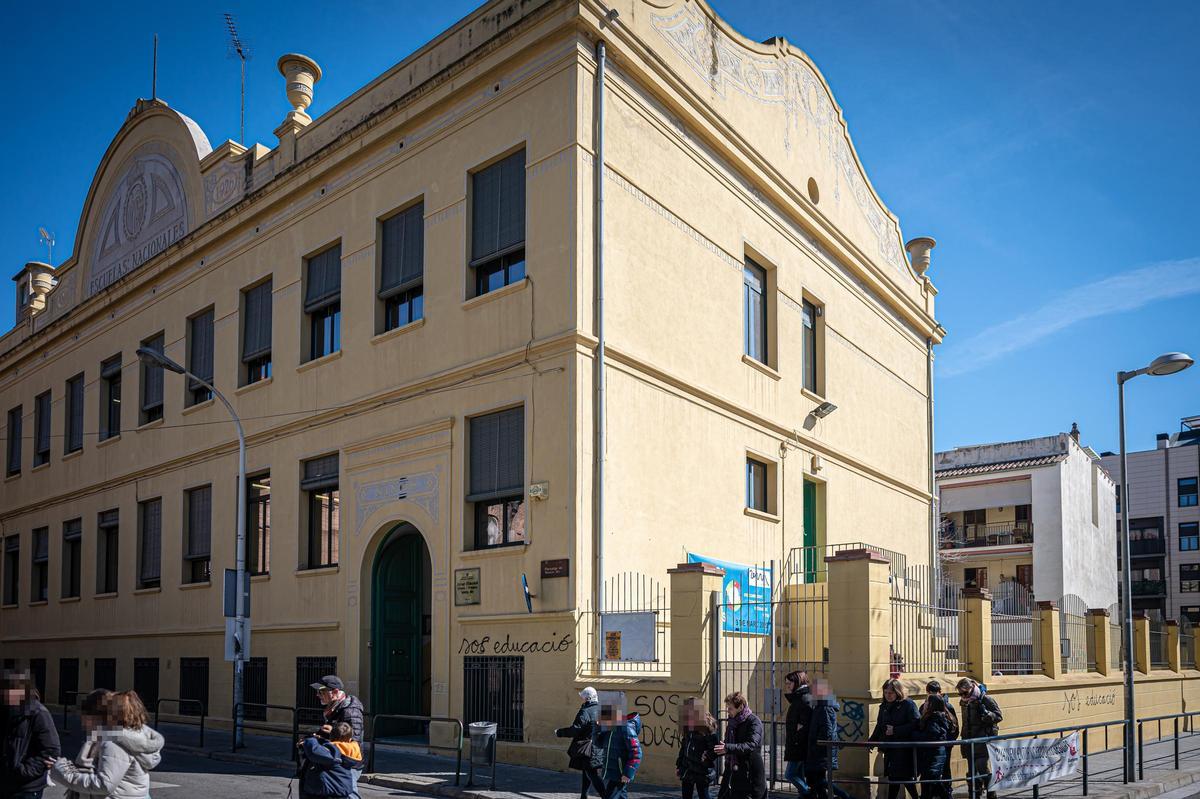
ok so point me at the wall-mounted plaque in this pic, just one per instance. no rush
(466, 586)
(556, 568)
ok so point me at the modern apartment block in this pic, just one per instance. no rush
(400, 298)
(1164, 522)
(1038, 513)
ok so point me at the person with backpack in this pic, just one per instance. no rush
(934, 688)
(821, 760)
(897, 721)
(981, 718)
(696, 764)
(933, 761)
(795, 739)
(579, 751)
(328, 763)
(616, 750)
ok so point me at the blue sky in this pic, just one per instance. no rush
(1050, 148)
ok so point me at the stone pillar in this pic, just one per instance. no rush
(1100, 641)
(1172, 643)
(1050, 639)
(975, 633)
(1141, 642)
(693, 586)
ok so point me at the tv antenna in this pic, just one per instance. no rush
(48, 240)
(240, 49)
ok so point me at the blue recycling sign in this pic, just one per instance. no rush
(745, 596)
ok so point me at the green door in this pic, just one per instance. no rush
(810, 531)
(396, 628)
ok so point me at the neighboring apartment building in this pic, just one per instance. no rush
(1164, 522)
(1037, 512)
(399, 299)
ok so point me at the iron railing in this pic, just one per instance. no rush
(1158, 645)
(630, 634)
(927, 619)
(1016, 639)
(1116, 638)
(807, 564)
(427, 721)
(966, 536)
(1187, 644)
(181, 703)
(293, 752)
(1149, 587)
(1073, 634)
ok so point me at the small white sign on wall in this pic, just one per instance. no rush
(635, 631)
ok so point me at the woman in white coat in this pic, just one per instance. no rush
(119, 752)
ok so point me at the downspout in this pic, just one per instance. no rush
(934, 561)
(601, 442)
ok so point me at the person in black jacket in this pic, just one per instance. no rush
(897, 721)
(696, 764)
(981, 718)
(820, 760)
(934, 688)
(745, 774)
(28, 739)
(340, 706)
(933, 761)
(580, 733)
(799, 714)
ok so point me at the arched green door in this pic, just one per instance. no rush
(396, 624)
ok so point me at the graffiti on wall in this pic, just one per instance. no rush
(855, 716)
(1074, 701)
(508, 645)
(660, 718)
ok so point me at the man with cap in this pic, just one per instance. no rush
(580, 733)
(340, 706)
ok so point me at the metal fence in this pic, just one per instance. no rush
(1073, 634)
(1187, 644)
(494, 690)
(1116, 640)
(807, 564)
(1016, 646)
(631, 633)
(926, 623)
(1158, 645)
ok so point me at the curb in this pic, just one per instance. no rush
(436, 789)
(230, 757)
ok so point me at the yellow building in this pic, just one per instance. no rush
(400, 300)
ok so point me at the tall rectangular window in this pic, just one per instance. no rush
(14, 442)
(12, 567)
(40, 571)
(756, 485)
(1186, 488)
(1189, 577)
(150, 543)
(1118, 500)
(108, 539)
(104, 673)
(308, 671)
(200, 356)
(255, 691)
(152, 384)
(73, 423)
(193, 686)
(258, 524)
(402, 266)
(256, 333)
(1189, 537)
(68, 680)
(323, 301)
(754, 310)
(494, 689)
(72, 558)
(320, 488)
(497, 478)
(110, 398)
(498, 224)
(41, 429)
(810, 313)
(145, 681)
(197, 552)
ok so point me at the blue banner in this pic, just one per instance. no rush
(745, 596)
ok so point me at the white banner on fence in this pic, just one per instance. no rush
(1024, 763)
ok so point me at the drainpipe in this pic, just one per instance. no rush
(601, 442)
(934, 561)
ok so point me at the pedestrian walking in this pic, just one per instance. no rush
(616, 750)
(329, 762)
(745, 775)
(118, 753)
(340, 706)
(934, 688)
(29, 738)
(933, 762)
(981, 718)
(696, 764)
(897, 722)
(796, 722)
(579, 751)
(821, 759)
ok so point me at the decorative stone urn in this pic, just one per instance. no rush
(919, 249)
(301, 72)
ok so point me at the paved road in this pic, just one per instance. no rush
(182, 776)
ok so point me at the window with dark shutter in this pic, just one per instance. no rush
(199, 541)
(498, 208)
(110, 398)
(41, 427)
(152, 383)
(40, 570)
(256, 322)
(497, 455)
(402, 251)
(74, 414)
(150, 544)
(71, 557)
(14, 441)
(12, 562)
(108, 530)
(200, 355)
(320, 473)
(323, 278)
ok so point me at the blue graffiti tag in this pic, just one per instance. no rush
(854, 713)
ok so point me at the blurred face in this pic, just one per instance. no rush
(13, 696)
(610, 715)
(91, 723)
(820, 689)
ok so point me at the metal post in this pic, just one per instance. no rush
(1085, 762)
(1126, 584)
(1141, 752)
(1176, 722)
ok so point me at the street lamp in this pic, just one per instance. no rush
(154, 358)
(1167, 364)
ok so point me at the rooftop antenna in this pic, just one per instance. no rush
(242, 51)
(154, 72)
(48, 240)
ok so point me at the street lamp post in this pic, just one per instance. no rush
(241, 623)
(1167, 364)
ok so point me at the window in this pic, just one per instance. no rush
(200, 356)
(41, 429)
(497, 478)
(1189, 577)
(193, 685)
(37, 670)
(1189, 537)
(255, 689)
(150, 543)
(68, 680)
(756, 485)
(1025, 575)
(40, 572)
(498, 224)
(401, 267)
(754, 310)
(72, 558)
(104, 673)
(812, 313)
(108, 531)
(975, 577)
(323, 301)
(494, 690)
(308, 671)
(73, 441)
(110, 398)
(1118, 499)
(145, 681)
(1186, 487)
(198, 548)
(320, 487)
(12, 565)
(258, 524)
(14, 442)
(152, 384)
(256, 333)
(1191, 613)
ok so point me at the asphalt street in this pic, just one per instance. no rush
(181, 776)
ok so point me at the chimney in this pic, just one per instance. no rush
(34, 282)
(918, 251)
(1164, 440)
(1075, 431)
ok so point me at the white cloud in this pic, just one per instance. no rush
(1126, 291)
